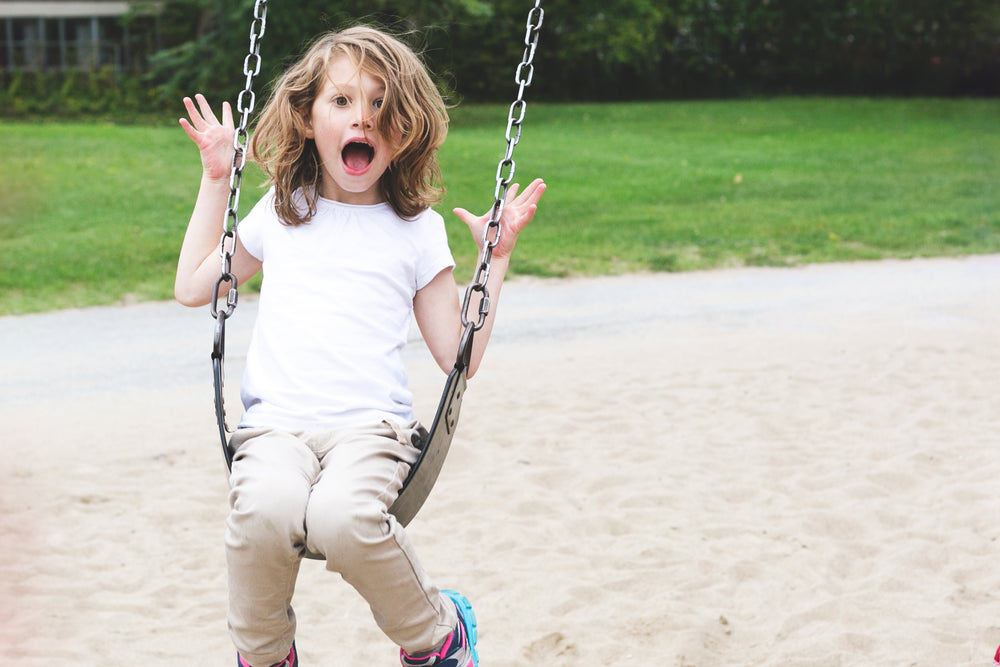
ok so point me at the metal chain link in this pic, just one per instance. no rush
(504, 177)
(244, 106)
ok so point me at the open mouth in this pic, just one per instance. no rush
(357, 155)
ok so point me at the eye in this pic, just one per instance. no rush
(378, 103)
(341, 101)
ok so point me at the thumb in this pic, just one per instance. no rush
(470, 219)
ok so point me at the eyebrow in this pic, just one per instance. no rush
(356, 77)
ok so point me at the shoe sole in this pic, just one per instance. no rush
(468, 618)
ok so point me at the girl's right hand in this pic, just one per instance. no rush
(214, 139)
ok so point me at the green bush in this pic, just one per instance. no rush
(77, 94)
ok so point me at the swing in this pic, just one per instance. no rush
(435, 442)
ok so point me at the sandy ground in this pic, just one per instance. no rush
(745, 467)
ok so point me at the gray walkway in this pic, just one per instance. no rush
(164, 345)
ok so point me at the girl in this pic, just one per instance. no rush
(351, 250)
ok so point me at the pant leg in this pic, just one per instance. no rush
(265, 534)
(348, 521)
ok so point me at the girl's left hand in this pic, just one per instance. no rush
(518, 211)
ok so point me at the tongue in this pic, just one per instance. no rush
(357, 156)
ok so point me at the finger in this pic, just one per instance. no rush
(512, 192)
(196, 119)
(537, 183)
(206, 109)
(538, 190)
(534, 191)
(191, 132)
(530, 197)
(521, 220)
(227, 116)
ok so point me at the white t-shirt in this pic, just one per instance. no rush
(334, 313)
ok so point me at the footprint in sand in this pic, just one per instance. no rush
(552, 645)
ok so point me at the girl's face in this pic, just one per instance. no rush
(342, 123)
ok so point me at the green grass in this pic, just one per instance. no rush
(94, 214)
(670, 187)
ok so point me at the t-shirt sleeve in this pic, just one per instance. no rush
(251, 228)
(436, 255)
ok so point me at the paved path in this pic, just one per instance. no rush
(164, 345)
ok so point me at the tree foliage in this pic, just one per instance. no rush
(590, 49)
(622, 49)
(838, 46)
(210, 58)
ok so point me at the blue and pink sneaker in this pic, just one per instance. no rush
(459, 648)
(291, 661)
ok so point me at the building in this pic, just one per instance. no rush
(66, 35)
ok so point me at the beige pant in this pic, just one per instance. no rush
(327, 492)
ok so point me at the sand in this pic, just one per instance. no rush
(742, 467)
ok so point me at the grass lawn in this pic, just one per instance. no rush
(94, 214)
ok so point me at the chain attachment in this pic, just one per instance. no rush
(504, 177)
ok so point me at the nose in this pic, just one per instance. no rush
(362, 120)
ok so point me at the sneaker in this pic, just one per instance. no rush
(459, 648)
(996, 658)
(291, 661)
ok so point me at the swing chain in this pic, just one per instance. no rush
(244, 105)
(504, 177)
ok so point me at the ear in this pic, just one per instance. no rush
(309, 132)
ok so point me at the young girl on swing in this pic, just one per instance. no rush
(350, 250)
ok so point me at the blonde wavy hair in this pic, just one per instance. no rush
(412, 110)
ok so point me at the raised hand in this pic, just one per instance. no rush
(517, 213)
(214, 139)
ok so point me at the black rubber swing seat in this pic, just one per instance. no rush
(433, 450)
